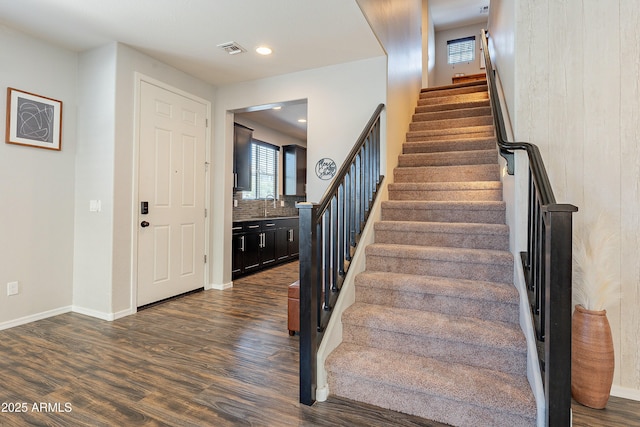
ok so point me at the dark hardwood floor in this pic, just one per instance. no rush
(215, 358)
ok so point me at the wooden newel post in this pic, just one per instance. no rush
(308, 302)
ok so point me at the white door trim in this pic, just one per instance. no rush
(139, 78)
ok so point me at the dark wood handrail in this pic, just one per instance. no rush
(547, 264)
(344, 169)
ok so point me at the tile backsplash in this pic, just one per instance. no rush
(249, 209)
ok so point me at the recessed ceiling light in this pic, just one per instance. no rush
(302, 120)
(263, 50)
(279, 107)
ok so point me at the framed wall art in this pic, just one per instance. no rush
(33, 120)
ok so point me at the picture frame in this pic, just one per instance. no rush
(33, 120)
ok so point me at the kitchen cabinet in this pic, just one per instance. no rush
(260, 244)
(294, 167)
(242, 137)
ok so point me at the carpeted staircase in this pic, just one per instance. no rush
(434, 330)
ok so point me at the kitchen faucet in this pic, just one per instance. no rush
(265, 202)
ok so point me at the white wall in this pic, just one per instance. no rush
(576, 94)
(444, 71)
(105, 241)
(428, 47)
(397, 24)
(36, 185)
(340, 98)
(130, 62)
(92, 281)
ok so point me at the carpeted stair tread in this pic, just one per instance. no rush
(475, 83)
(449, 145)
(446, 185)
(443, 191)
(482, 131)
(453, 113)
(453, 91)
(463, 255)
(476, 332)
(452, 158)
(458, 297)
(449, 173)
(459, 288)
(472, 103)
(452, 205)
(492, 212)
(462, 263)
(464, 122)
(453, 99)
(466, 389)
(446, 234)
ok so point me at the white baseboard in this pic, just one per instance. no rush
(93, 313)
(625, 393)
(34, 317)
(322, 393)
(220, 287)
(124, 313)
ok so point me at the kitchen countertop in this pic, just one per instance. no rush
(261, 218)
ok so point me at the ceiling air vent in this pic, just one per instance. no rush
(232, 48)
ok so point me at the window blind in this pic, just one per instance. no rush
(461, 50)
(264, 170)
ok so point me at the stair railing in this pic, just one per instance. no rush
(547, 265)
(329, 233)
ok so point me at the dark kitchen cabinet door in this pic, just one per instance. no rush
(251, 255)
(295, 170)
(238, 247)
(242, 137)
(282, 244)
(268, 250)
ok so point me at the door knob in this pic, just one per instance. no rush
(144, 224)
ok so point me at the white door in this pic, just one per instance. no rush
(171, 182)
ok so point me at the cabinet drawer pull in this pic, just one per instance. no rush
(270, 225)
(254, 226)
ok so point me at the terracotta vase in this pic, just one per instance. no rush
(592, 360)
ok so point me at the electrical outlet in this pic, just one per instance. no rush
(282, 203)
(13, 288)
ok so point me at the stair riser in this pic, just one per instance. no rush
(447, 146)
(448, 173)
(428, 406)
(449, 159)
(439, 349)
(448, 134)
(445, 304)
(470, 270)
(458, 113)
(444, 215)
(454, 99)
(475, 195)
(477, 89)
(451, 123)
(449, 240)
(447, 107)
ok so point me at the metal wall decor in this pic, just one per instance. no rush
(326, 168)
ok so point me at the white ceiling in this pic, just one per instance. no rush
(447, 14)
(304, 34)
